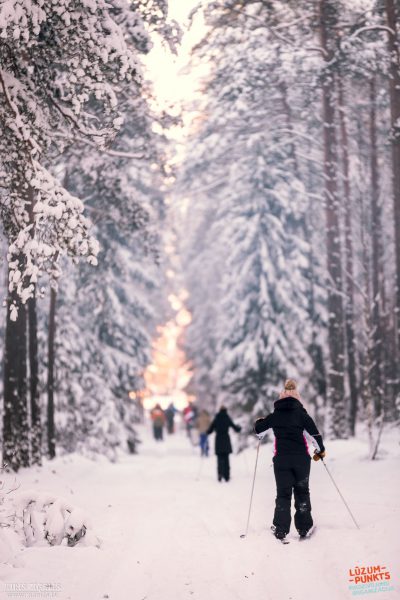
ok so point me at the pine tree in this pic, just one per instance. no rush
(59, 64)
(250, 236)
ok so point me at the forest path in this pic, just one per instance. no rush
(170, 531)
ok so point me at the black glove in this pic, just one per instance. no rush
(255, 425)
(260, 434)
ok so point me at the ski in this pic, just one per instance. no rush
(309, 534)
(282, 540)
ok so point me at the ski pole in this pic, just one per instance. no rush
(252, 490)
(340, 494)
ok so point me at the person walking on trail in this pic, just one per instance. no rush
(158, 418)
(223, 448)
(170, 416)
(189, 417)
(203, 422)
(291, 460)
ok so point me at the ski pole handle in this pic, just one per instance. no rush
(319, 455)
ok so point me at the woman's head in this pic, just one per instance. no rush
(290, 390)
(290, 384)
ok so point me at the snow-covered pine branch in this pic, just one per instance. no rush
(61, 65)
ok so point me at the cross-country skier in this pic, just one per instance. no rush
(292, 462)
(170, 417)
(203, 422)
(189, 417)
(223, 448)
(158, 418)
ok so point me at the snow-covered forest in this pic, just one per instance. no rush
(198, 248)
(292, 222)
(82, 206)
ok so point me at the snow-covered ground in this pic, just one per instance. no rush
(170, 531)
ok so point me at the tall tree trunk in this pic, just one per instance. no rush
(349, 279)
(392, 17)
(337, 420)
(316, 350)
(374, 424)
(15, 418)
(377, 270)
(50, 377)
(36, 426)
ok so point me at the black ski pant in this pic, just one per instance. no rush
(223, 467)
(158, 432)
(292, 472)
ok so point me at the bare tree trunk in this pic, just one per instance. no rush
(50, 376)
(36, 425)
(392, 16)
(374, 424)
(315, 349)
(349, 279)
(377, 270)
(15, 418)
(390, 365)
(338, 424)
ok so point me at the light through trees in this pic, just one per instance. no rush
(169, 373)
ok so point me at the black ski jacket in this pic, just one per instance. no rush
(289, 421)
(221, 424)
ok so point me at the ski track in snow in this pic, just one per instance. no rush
(170, 531)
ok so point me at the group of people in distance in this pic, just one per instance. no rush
(193, 419)
(291, 425)
(201, 422)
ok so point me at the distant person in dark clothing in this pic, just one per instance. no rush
(170, 416)
(223, 448)
(292, 462)
(158, 418)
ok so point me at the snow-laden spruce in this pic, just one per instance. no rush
(105, 331)
(65, 69)
(245, 254)
(61, 63)
(295, 124)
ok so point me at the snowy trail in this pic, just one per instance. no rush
(170, 531)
